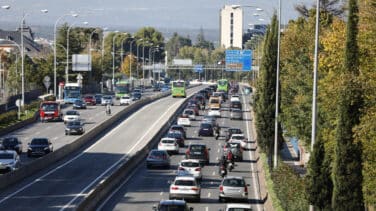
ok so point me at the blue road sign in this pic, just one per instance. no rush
(199, 68)
(238, 60)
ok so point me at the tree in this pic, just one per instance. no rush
(347, 193)
(175, 43)
(266, 90)
(333, 7)
(202, 43)
(126, 66)
(320, 186)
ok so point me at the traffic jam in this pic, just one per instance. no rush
(183, 151)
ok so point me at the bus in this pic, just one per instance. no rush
(72, 92)
(223, 85)
(122, 88)
(178, 89)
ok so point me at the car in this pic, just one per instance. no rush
(11, 143)
(158, 158)
(205, 93)
(190, 113)
(136, 95)
(190, 167)
(233, 187)
(201, 100)
(214, 102)
(237, 207)
(178, 128)
(71, 115)
(9, 161)
(169, 144)
(178, 136)
(165, 88)
(235, 104)
(211, 119)
(157, 87)
(214, 112)
(184, 121)
(90, 100)
(125, 100)
(74, 127)
(236, 114)
(185, 187)
(172, 205)
(107, 99)
(236, 149)
(98, 98)
(231, 131)
(235, 98)
(79, 104)
(239, 138)
(206, 129)
(198, 152)
(195, 108)
(39, 147)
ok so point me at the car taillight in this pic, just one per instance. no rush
(174, 188)
(194, 188)
(198, 169)
(187, 152)
(181, 168)
(55, 113)
(245, 189)
(221, 188)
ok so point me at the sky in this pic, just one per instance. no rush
(174, 14)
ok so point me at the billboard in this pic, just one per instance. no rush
(81, 62)
(238, 60)
(182, 62)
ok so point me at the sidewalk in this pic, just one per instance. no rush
(291, 158)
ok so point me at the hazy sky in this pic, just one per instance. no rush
(138, 13)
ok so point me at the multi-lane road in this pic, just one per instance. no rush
(145, 188)
(64, 185)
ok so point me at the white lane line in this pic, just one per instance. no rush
(116, 163)
(251, 156)
(218, 150)
(209, 194)
(55, 138)
(73, 159)
(161, 193)
(213, 173)
(206, 208)
(37, 133)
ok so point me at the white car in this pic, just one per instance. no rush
(190, 113)
(238, 207)
(185, 187)
(71, 115)
(190, 167)
(215, 112)
(9, 161)
(184, 121)
(235, 98)
(125, 100)
(169, 144)
(238, 138)
(107, 99)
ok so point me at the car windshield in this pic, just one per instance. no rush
(185, 182)
(10, 141)
(174, 135)
(74, 123)
(189, 112)
(107, 97)
(172, 207)
(238, 137)
(78, 101)
(214, 101)
(39, 141)
(49, 106)
(6, 156)
(197, 148)
(234, 182)
(205, 125)
(71, 113)
(190, 164)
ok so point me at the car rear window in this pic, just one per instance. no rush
(185, 183)
(190, 164)
(168, 141)
(10, 141)
(205, 125)
(71, 113)
(6, 156)
(39, 141)
(172, 207)
(197, 148)
(234, 182)
(157, 153)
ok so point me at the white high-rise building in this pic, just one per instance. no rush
(231, 27)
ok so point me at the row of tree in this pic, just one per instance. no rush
(341, 172)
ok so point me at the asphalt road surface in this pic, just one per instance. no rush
(63, 186)
(145, 188)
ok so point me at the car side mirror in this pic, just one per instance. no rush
(49, 143)
(209, 149)
(190, 208)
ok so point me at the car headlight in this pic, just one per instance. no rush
(46, 148)
(29, 148)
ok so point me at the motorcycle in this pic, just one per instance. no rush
(222, 170)
(108, 110)
(230, 166)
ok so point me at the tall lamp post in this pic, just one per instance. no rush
(67, 65)
(122, 47)
(143, 60)
(23, 57)
(137, 44)
(69, 14)
(131, 59)
(113, 58)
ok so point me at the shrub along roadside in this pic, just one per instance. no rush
(10, 118)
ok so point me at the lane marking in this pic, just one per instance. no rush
(161, 193)
(213, 173)
(251, 155)
(209, 194)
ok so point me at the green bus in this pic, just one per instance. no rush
(223, 85)
(178, 89)
(122, 88)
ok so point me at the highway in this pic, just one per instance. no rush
(145, 188)
(63, 186)
(91, 117)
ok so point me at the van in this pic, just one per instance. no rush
(214, 102)
(50, 111)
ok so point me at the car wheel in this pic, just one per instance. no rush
(28, 154)
(221, 199)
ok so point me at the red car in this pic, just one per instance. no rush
(90, 100)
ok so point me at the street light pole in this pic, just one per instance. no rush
(137, 57)
(23, 58)
(277, 89)
(73, 15)
(130, 59)
(143, 61)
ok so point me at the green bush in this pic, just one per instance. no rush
(11, 117)
(290, 188)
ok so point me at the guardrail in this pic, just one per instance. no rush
(102, 190)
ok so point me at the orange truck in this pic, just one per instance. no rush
(50, 111)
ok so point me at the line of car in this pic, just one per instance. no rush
(186, 185)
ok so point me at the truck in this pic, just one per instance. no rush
(50, 111)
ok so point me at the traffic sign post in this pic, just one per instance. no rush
(19, 104)
(47, 82)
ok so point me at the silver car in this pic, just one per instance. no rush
(236, 114)
(233, 188)
(107, 99)
(9, 161)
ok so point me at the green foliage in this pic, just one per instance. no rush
(290, 188)
(175, 43)
(319, 183)
(202, 43)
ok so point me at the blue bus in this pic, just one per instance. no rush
(72, 92)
